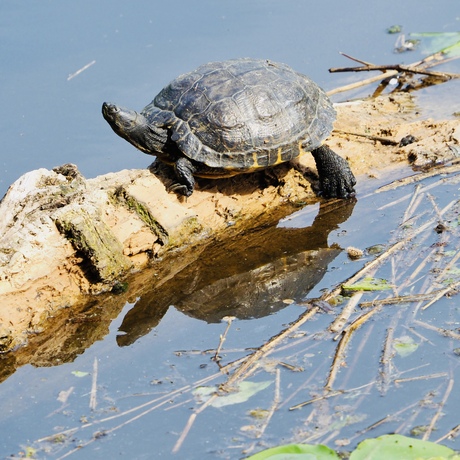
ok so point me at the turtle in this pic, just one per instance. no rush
(236, 116)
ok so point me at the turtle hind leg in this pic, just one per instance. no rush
(184, 170)
(335, 176)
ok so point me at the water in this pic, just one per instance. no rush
(49, 119)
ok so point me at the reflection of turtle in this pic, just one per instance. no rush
(248, 276)
(233, 117)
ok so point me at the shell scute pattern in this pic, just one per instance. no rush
(245, 114)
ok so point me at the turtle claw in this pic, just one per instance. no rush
(181, 189)
(335, 176)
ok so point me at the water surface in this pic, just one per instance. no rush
(49, 119)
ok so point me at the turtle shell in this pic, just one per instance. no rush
(244, 114)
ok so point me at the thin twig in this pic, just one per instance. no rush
(340, 350)
(254, 358)
(190, 422)
(429, 61)
(166, 398)
(92, 398)
(399, 68)
(419, 177)
(421, 377)
(361, 83)
(400, 299)
(388, 418)
(382, 140)
(443, 332)
(414, 203)
(79, 71)
(430, 428)
(441, 293)
(453, 433)
(346, 312)
(274, 405)
(386, 361)
(223, 336)
(377, 261)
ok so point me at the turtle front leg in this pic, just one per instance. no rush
(184, 170)
(335, 176)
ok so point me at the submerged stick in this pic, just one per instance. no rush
(386, 361)
(252, 360)
(419, 177)
(453, 433)
(401, 299)
(428, 432)
(274, 405)
(340, 350)
(346, 312)
(92, 398)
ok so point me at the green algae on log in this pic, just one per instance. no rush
(92, 237)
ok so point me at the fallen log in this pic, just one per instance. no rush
(65, 240)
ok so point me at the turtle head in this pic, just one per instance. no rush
(135, 128)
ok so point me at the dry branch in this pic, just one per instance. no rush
(399, 68)
(392, 70)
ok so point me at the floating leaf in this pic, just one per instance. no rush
(396, 29)
(368, 284)
(259, 413)
(80, 373)
(405, 346)
(30, 452)
(296, 452)
(204, 393)
(397, 446)
(440, 42)
(454, 271)
(376, 249)
(245, 391)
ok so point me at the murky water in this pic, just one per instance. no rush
(51, 115)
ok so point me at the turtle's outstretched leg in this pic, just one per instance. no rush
(184, 171)
(335, 176)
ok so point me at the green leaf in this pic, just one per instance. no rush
(245, 391)
(80, 373)
(405, 346)
(397, 446)
(440, 42)
(368, 284)
(396, 29)
(296, 452)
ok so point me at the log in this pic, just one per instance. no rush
(67, 242)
